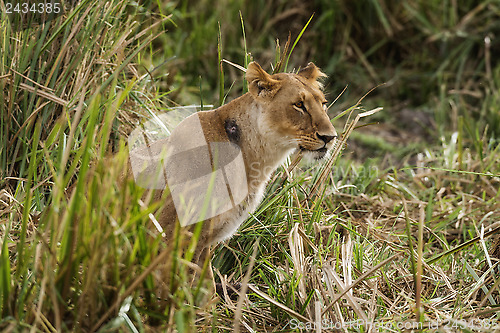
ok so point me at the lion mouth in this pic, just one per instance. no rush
(322, 150)
(316, 154)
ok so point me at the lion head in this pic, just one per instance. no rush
(293, 109)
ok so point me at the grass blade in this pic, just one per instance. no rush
(296, 41)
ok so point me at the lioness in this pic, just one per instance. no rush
(240, 144)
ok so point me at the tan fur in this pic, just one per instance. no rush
(272, 126)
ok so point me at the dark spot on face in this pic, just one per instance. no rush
(232, 131)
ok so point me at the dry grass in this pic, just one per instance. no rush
(362, 263)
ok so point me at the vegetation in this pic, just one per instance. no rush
(399, 230)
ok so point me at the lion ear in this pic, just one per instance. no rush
(260, 83)
(312, 73)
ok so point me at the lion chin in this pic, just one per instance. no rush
(314, 155)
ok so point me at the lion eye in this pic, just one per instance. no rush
(299, 106)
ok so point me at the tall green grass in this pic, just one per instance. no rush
(75, 252)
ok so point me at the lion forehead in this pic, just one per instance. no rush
(294, 88)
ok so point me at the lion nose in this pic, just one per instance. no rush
(326, 138)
